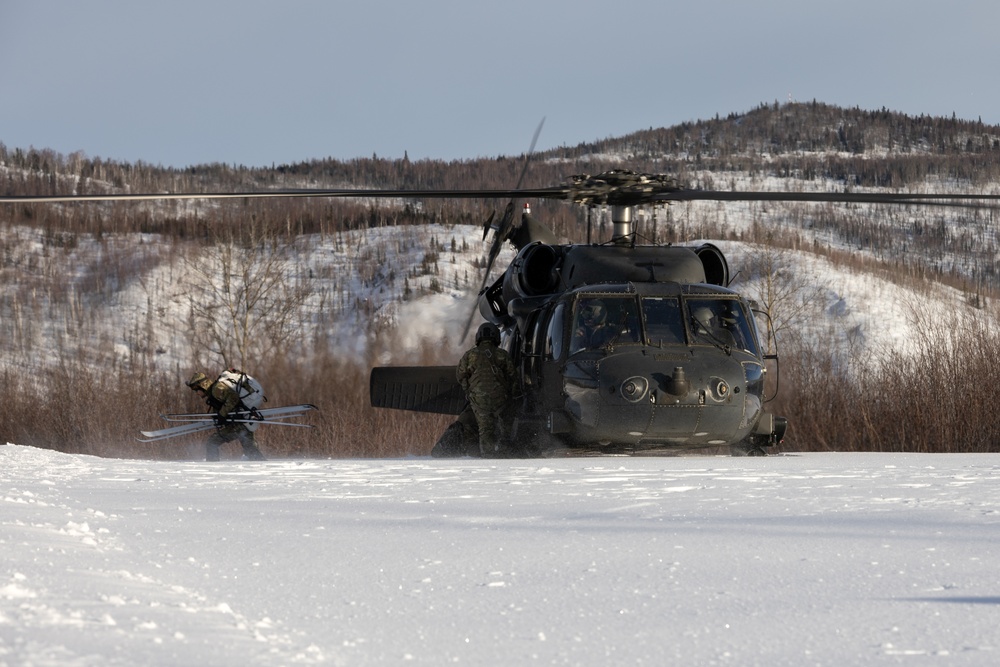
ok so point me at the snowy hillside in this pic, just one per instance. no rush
(413, 285)
(391, 291)
(813, 559)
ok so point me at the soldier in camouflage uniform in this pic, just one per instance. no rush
(223, 399)
(487, 374)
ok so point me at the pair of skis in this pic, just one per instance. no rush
(198, 422)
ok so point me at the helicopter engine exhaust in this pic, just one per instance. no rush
(534, 272)
(716, 266)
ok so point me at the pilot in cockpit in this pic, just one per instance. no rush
(593, 329)
(708, 323)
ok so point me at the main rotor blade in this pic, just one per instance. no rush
(507, 221)
(531, 151)
(558, 192)
(504, 227)
(542, 193)
(617, 187)
(922, 199)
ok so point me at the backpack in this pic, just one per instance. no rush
(249, 389)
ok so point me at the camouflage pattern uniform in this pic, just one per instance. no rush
(222, 399)
(489, 378)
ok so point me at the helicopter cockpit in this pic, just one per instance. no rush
(602, 321)
(644, 365)
(721, 321)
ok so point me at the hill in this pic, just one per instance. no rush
(106, 308)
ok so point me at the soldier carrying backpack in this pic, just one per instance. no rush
(232, 391)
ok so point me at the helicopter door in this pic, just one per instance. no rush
(551, 338)
(532, 345)
(555, 335)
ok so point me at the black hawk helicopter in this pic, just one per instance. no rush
(621, 347)
(679, 364)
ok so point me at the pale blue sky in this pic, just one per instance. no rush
(255, 83)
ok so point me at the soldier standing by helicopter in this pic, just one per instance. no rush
(489, 379)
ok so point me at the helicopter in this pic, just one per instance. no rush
(684, 366)
(681, 365)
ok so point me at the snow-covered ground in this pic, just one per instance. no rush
(811, 559)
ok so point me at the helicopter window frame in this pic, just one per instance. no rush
(530, 345)
(554, 334)
(764, 341)
(532, 341)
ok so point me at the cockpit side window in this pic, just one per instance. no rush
(664, 323)
(554, 334)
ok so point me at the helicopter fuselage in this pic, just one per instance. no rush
(657, 377)
(620, 347)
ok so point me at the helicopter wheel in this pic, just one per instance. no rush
(747, 447)
(530, 442)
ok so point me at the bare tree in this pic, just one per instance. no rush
(786, 298)
(245, 296)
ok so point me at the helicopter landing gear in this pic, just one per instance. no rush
(461, 438)
(530, 439)
(749, 447)
(756, 444)
(746, 449)
(452, 443)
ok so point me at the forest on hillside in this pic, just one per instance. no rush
(789, 146)
(797, 146)
(808, 140)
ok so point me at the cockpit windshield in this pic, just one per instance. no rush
(720, 322)
(601, 322)
(664, 323)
